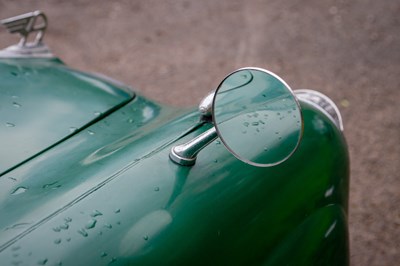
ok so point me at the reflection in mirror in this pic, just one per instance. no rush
(260, 120)
(205, 106)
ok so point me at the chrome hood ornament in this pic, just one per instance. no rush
(24, 25)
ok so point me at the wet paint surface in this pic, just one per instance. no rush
(122, 201)
(43, 102)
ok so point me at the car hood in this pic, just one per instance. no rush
(43, 102)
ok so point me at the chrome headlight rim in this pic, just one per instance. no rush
(322, 103)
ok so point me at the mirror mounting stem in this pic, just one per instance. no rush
(186, 154)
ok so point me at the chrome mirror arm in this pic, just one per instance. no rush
(186, 154)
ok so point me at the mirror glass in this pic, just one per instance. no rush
(257, 117)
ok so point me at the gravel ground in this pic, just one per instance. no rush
(177, 51)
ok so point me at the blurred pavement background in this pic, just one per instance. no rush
(176, 51)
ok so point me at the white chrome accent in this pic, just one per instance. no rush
(33, 22)
(205, 106)
(323, 103)
(16, 51)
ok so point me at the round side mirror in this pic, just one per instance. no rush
(260, 120)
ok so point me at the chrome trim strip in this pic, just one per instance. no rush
(16, 51)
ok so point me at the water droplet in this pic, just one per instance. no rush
(264, 95)
(156, 189)
(109, 226)
(46, 186)
(91, 224)
(244, 131)
(19, 190)
(146, 237)
(83, 232)
(12, 178)
(16, 105)
(117, 211)
(72, 129)
(68, 239)
(277, 132)
(113, 260)
(130, 121)
(97, 113)
(51, 185)
(257, 130)
(95, 213)
(278, 113)
(215, 161)
(103, 254)
(57, 241)
(42, 262)
(255, 124)
(280, 138)
(17, 226)
(90, 132)
(218, 142)
(57, 229)
(246, 124)
(64, 226)
(265, 148)
(8, 124)
(119, 222)
(68, 219)
(15, 248)
(262, 122)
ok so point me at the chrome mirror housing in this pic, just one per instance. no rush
(256, 116)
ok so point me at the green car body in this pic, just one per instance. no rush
(86, 179)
